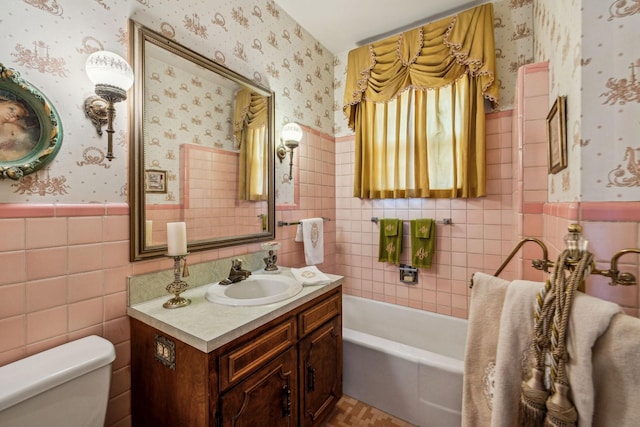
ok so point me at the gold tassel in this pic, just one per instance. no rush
(532, 409)
(560, 410)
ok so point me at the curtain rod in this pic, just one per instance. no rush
(419, 22)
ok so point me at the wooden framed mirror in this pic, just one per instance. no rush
(201, 152)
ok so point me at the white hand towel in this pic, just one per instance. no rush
(310, 276)
(313, 240)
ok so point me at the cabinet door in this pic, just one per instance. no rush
(266, 398)
(320, 356)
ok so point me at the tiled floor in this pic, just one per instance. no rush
(350, 412)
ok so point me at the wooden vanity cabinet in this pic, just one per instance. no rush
(320, 359)
(287, 372)
(266, 397)
(170, 381)
(320, 364)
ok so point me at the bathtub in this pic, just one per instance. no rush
(404, 361)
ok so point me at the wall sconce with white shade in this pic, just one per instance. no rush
(112, 77)
(291, 136)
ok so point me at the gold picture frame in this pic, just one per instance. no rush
(557, 135)
(155, 181)
(30, 128)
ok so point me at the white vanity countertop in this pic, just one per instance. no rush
(207, 326)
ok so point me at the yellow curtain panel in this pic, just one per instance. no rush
(250, 133)
(416, 104)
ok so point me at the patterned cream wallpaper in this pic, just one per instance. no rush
(592, 49)
(48, 41)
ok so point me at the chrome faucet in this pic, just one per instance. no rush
(236, 274)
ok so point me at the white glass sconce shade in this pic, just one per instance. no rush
(107, 68)
(290, 139)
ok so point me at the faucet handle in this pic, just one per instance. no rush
(236, 264)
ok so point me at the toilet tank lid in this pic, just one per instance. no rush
(43, 371)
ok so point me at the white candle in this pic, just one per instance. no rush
(176, 238)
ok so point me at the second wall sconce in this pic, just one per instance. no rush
(291, 136)
(112, 77)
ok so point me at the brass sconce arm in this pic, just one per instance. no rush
(618, 278)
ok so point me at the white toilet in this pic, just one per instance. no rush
(66, 386)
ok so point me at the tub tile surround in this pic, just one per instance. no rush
(482, 229)
(485, 230)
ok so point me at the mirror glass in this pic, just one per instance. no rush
(202, 135)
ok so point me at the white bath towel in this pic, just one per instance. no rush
(589, 319)
(313, 240)
(616, 374)
(310, 276)
(487, 296)
(513, 350)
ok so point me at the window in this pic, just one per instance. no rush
(416, 104)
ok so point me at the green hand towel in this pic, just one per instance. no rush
(390, 245)
(390, 227)
(422, 248)
(423, 228)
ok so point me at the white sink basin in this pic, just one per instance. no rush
(257, 289)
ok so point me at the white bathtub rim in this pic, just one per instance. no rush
(403, 351)
(440, 316)
(429, 331)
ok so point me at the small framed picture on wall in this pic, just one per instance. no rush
(155, 181)
(557, 135)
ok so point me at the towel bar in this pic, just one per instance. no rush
(445, 221)
(617, 277)
(283, 223)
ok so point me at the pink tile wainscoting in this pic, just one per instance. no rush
(65, 268)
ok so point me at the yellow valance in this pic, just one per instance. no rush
(432, 56)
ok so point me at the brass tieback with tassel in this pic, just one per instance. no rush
(532, 406)
(534, 394)
(553, 305)
(560, 410)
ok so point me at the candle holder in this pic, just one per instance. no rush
(178, 286)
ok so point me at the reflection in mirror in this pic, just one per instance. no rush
(202, 134)
(250, 131)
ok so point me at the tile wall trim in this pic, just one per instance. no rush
(595, 211)
(31, 210)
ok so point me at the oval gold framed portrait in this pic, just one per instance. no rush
(30, 128)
